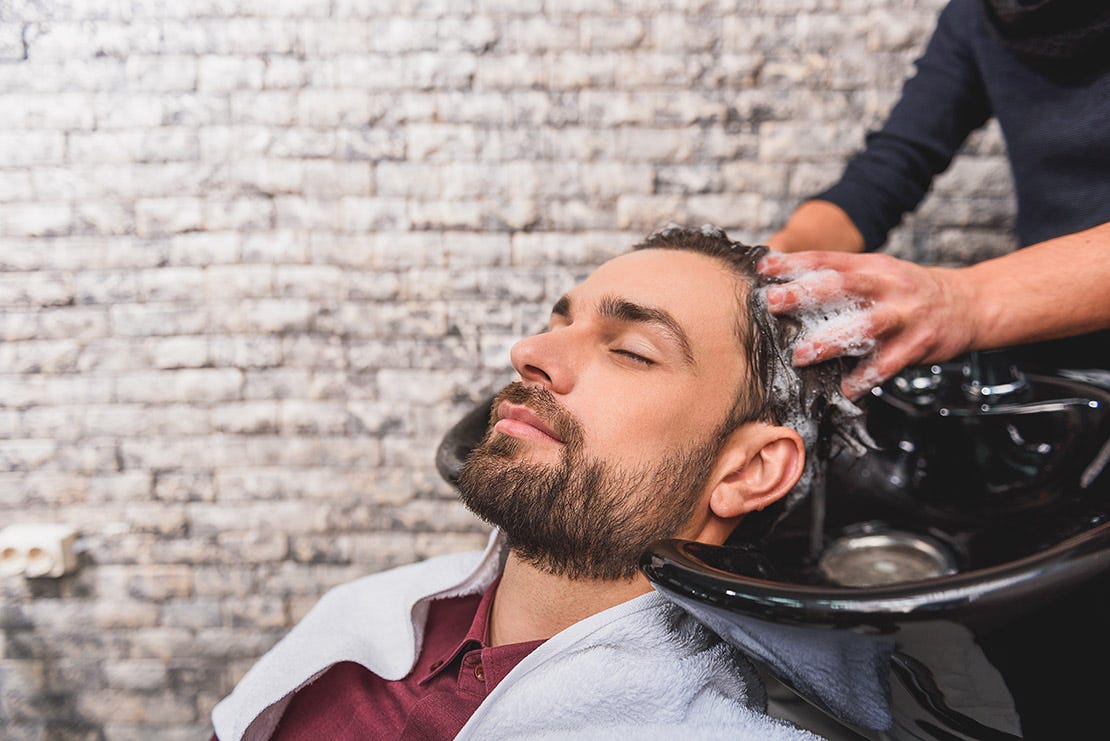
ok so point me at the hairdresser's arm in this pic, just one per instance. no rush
(817, 225)
(917, 315)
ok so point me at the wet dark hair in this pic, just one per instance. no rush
(775, 391)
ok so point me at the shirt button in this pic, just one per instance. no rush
(436, 665)
(479, 673)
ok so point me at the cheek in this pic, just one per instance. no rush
(644, 425)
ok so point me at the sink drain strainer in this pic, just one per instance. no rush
(885, 558)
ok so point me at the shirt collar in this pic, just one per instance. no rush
(476, 636)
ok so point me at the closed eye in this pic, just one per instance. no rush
(633, 356)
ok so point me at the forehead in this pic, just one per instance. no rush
(699, 291)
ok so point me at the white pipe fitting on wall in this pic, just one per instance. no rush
(37, 550)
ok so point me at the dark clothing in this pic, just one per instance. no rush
(1056, 128)
(1048, 33)
(455, 672)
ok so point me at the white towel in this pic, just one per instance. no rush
(643, 669)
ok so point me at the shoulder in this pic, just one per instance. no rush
(376, 621)
(961, 10)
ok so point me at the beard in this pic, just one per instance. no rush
(579, 517)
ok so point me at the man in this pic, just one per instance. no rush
(652, 408)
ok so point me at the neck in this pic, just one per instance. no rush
(533, 605)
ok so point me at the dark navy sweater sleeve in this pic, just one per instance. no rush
(940, 106)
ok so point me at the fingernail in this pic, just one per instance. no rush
(774, 297)
(767, 262)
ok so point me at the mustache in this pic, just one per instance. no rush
(544, 405)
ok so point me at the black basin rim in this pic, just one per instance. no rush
(672, 567)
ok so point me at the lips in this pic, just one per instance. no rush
(519, 421)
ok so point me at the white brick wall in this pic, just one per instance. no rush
(257, 256)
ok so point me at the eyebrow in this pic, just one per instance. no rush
(623, 310)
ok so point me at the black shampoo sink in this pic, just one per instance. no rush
(953, 584)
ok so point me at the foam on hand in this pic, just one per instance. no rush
(829, 315)
(843, 321)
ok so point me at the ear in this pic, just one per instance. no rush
(758, 465)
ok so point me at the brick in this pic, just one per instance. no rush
(257, 612)
(122, 706)
(983, 176)
(323, 283)
(158, 582)
(140, 674)
(295, 212)
(229, 73)
(201, 612)
(57, 422)
(162, 73)
(120, 487)
(276, 383)
(44, 111)
(26, 455)
(103, 218)
(279, 246)
(508, 71)
(114, 109)
(204, 248)
(266, 176)
(143, 320)
(25, 148)
(317, 108)
(273, 34)
(168, 215)
(18, 391)
(246, 139)
(245, 351)
(36, 219)
(48, 356)
(183, 285)
(358, 214)
(313, 417)
(22, 680)
(303, 142)
(791, 142)
(313, 351)
(729, 211)
(254, 547)
(178, 352)
(266, 316)
(187, 385)
(239, 281)
(252, 417)
(175, 486)
(41, 289)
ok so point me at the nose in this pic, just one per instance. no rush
(547, 359)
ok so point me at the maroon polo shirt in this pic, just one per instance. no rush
(456, 669)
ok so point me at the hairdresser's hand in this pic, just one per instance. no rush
(889, 312)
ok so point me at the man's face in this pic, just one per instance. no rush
(607, 441)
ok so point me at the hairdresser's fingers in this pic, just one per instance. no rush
(876, 277)
(783, 265)
(814, 281)
(888, 359)
(855, 334)
(807, 293)
(868, 374)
